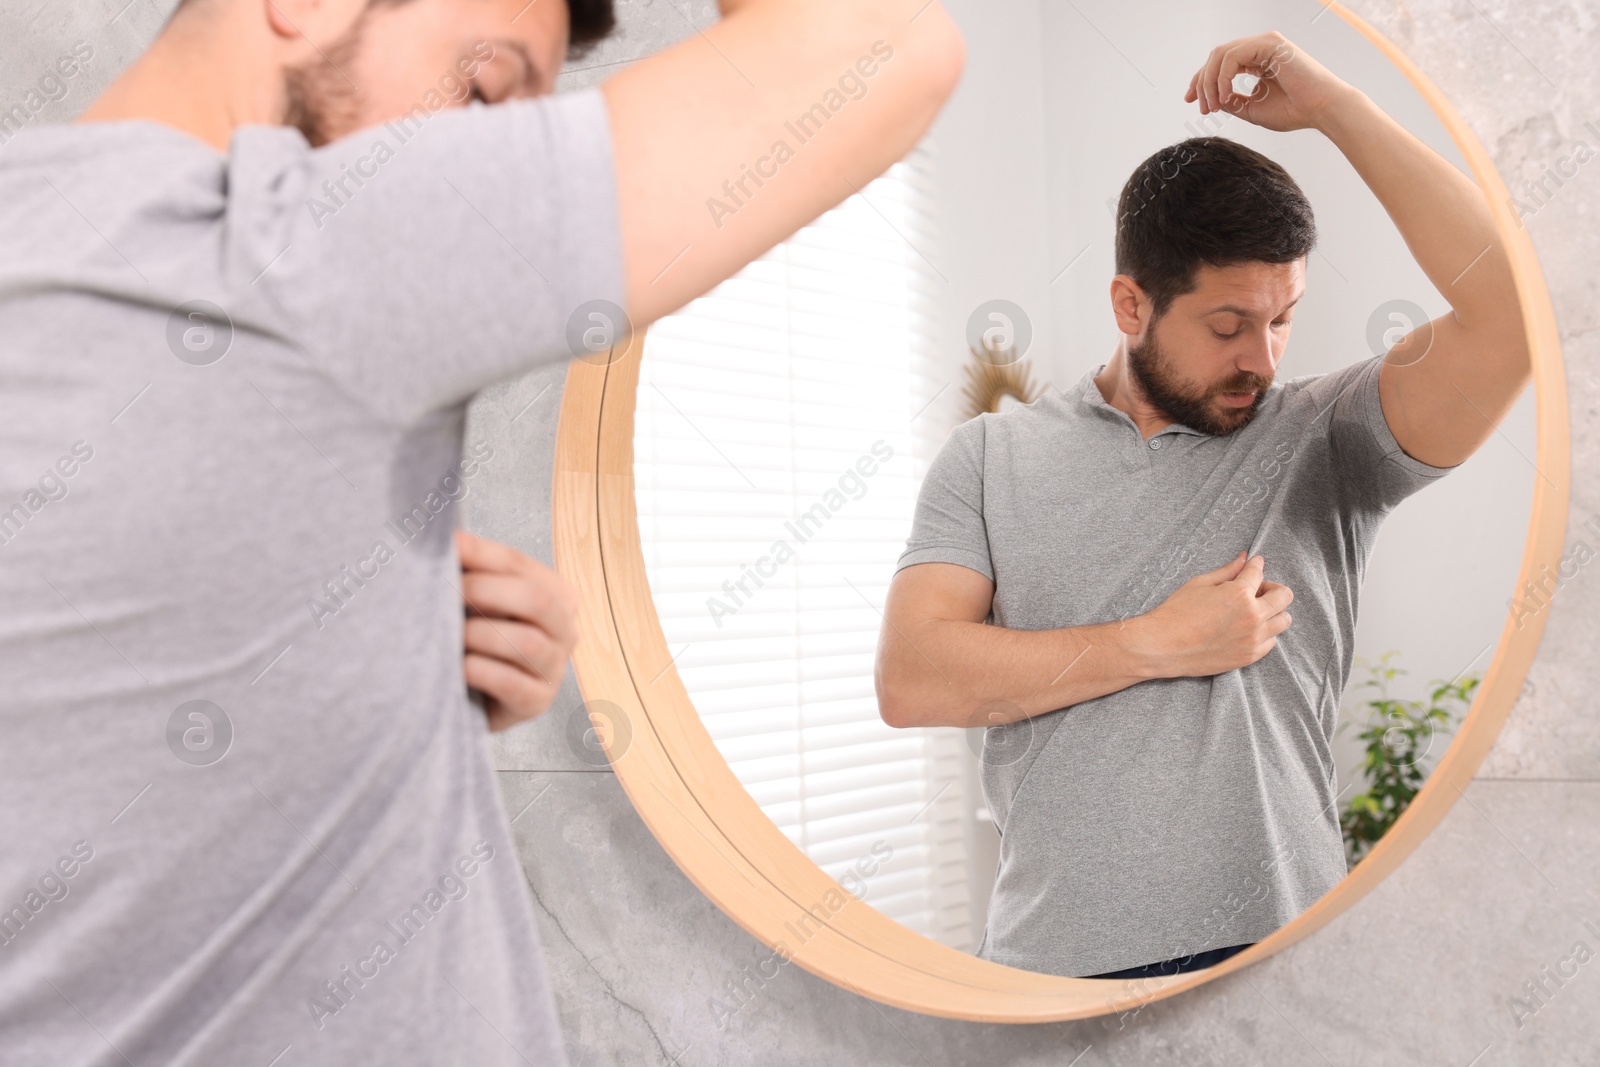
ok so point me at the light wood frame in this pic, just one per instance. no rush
(713, 829)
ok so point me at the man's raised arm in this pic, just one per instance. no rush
(731, 140)
(939, 664)
(1447, 384)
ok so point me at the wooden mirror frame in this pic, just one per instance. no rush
(713, 829)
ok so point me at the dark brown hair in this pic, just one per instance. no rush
(1207, 200)
(591, 21)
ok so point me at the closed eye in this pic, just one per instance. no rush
(1235, 333)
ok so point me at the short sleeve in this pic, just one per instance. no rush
(1374, 471)
(948, 524)
(426, 258)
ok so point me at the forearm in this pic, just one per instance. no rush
(1442, 215)
(959, 673)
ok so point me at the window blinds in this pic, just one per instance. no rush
(777, 456)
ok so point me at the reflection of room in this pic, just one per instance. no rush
(791, 705)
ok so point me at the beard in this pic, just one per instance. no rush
(1200, 410)
(323, 103)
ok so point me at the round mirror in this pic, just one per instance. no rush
(935, 377)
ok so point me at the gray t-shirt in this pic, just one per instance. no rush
(257, 514)
(1183, 814)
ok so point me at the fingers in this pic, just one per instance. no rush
(1240, 59)
(1225, 573)
(1213, 85)
(514, 695)
(481, 554)
(1275, 597)
(521, 625)
(1227, 66)
(1249, 576)
(526, 648)
(1208, 81)
(1270, 629)
(542, 598)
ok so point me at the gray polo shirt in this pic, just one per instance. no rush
(249, 812)
(1183, 814)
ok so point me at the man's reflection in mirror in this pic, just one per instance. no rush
(1103, 578)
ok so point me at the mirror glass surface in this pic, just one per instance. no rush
(786, 422)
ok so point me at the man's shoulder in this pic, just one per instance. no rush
(1330, 382)
(1302, 413)
(1308, 403)
(1050, 412)
(66, 142)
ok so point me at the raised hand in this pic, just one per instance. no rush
(1293, 92)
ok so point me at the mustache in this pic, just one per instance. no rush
(1250, 383)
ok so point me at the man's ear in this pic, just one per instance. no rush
(1129, 304)
(316, 22)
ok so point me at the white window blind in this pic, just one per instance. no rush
(776, 463)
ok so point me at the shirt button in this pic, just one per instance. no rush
(1155, 442)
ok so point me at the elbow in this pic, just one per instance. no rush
(899, 705)
(947, 55)
(930, 54)
(895, 714)
(891, 709)
(956, 59)
(895, 704)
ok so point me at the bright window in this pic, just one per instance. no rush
(778, 450)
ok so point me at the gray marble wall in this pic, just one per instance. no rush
(1422, 971)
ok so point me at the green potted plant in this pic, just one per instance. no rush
(1397, 736)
